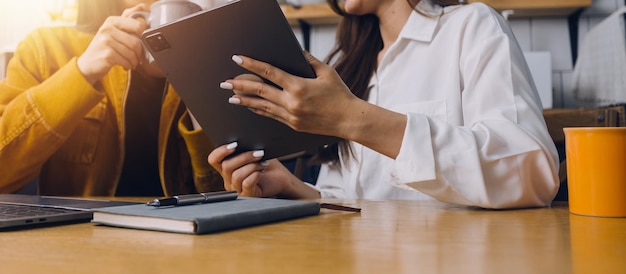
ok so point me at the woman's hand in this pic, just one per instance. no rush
(117, 42)
(322, 105)
(251, 177)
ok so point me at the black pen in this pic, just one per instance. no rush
(189, 199)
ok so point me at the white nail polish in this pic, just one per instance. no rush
(226, 85)
(258, 153)
(237, 59)
(234, 101)
(232, 145)
(264, 163)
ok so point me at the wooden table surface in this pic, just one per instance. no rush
(386, 237)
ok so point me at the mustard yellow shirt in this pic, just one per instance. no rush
(56, 126)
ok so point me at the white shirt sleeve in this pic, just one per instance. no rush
(475, 133)
(501, 156)
(331, 184)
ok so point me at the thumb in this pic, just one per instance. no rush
(315, 63)
(138, 7)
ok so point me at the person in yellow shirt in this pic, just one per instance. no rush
(82, 111)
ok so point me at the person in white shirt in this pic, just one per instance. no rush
(433, 100)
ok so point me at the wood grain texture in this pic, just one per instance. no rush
(385, 237)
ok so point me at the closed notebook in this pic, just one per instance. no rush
(205, 218)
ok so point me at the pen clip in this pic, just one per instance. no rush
(192, 199)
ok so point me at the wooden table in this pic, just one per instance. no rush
(386, 237)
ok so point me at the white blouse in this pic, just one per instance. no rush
(475, 134)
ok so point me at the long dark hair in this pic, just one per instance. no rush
(92, 13)
(355, 58)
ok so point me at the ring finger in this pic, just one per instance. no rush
(245, 173)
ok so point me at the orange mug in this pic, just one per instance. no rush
(596, 170)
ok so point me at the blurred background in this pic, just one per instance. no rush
(550, 41)
(18, 17)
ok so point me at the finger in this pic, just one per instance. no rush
(242, 172)
(250, 186)
(265, 70)
(235, 162)
(127, 24)
(138, 7)
(249, 77)
(315, 63)
(268, 109)
(251, 87)
(261, 106)
(247, 174)
(130, 46)
(228, 186)
(128, 53)
(235, 185)
(109, 52)
(217, 156)
(261, 98)
(231, 165)
(122, 31)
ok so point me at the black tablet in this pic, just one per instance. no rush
(195, 54)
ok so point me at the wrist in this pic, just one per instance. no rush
(299, 190)
(356, 121)
(89, 75)
(373, 126)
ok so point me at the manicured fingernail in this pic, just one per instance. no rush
(226, 85)
(237, 59)
(265, 163)
(258, 153)
(232, 145)
(234, 101)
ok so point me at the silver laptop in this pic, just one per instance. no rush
(195, 54)
(18, 211)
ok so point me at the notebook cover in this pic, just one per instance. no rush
(205, 218)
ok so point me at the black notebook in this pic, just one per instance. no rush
(195, 53)
(205, 218)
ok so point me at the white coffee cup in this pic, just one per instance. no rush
(166, 11)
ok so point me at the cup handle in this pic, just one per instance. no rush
(145, 16)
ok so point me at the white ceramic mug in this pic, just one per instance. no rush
(165, 11)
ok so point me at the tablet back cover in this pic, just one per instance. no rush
(195, 54)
